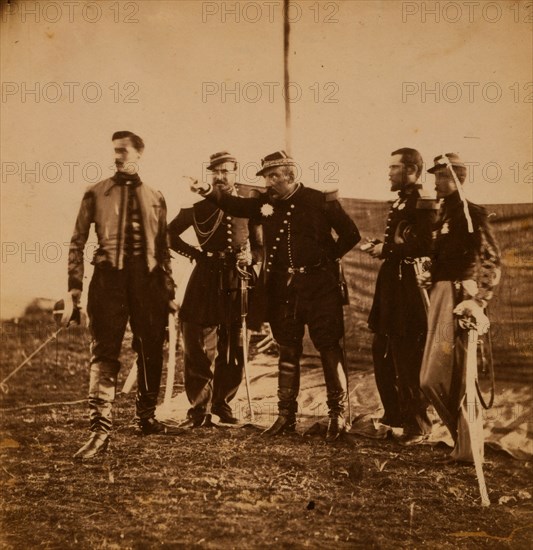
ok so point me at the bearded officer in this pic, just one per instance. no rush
(301, 275)
(210, 312)
(398, 316)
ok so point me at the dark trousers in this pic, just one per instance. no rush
(311, 299)
(116, 297)
(397, 361)
(213, 366)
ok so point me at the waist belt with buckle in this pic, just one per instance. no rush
(306, 268)
(222, 254)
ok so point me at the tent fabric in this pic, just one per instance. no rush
(507, 424)
(510, 311)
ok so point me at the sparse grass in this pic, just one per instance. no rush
(225, 488)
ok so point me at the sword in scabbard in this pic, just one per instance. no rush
(171, 364)
(243, 286)
(345, 301)
(421, 266)
(471, 397)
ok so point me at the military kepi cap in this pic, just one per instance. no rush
(279, 158)
(220, 158)
(447, 159)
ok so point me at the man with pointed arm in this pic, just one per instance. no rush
(210, 312)
(466, 267)
(131, 282)
(301, 277)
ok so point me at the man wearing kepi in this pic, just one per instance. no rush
(465, 269)
(398, 316)
(131, 281)
(210, 312)
(301, 276)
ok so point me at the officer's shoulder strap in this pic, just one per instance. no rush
(331, 194)
(427, 203)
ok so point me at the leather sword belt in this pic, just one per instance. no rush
(223, 254)
(307, 268)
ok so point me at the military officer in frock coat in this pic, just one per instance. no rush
(398, 316)
(210, 312)
(301, 277)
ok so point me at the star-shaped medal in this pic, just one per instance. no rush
(267, 210)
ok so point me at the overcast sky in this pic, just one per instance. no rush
(194, 77)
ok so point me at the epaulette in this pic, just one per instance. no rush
(427, 203)
(331, 194)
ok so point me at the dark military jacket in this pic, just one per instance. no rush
(397, 308)
(297, 230)
(460, 255)
(211, 297)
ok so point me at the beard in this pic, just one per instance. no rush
(273, 195)
(223, 186)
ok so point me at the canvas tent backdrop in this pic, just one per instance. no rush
(509, 311)
(507, 424)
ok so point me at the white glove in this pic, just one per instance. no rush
(244, 257)
(424, 279)
(471, 315)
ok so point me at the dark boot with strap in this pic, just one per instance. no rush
(336, 388)
(288, 388)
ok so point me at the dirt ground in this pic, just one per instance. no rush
(224, 487)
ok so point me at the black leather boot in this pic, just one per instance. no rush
(284, 423)
(336, 426)
(288, 388)
(225, 414)
(96, 446)
(332, 363)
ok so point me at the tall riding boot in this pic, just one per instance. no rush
(336, 388)
(288, 388)
(102, 390)
(149, 367)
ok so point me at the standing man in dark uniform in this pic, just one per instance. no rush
(301, 275)
(210, 313)
(466, 268)
(131, 281)
(398, 316)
